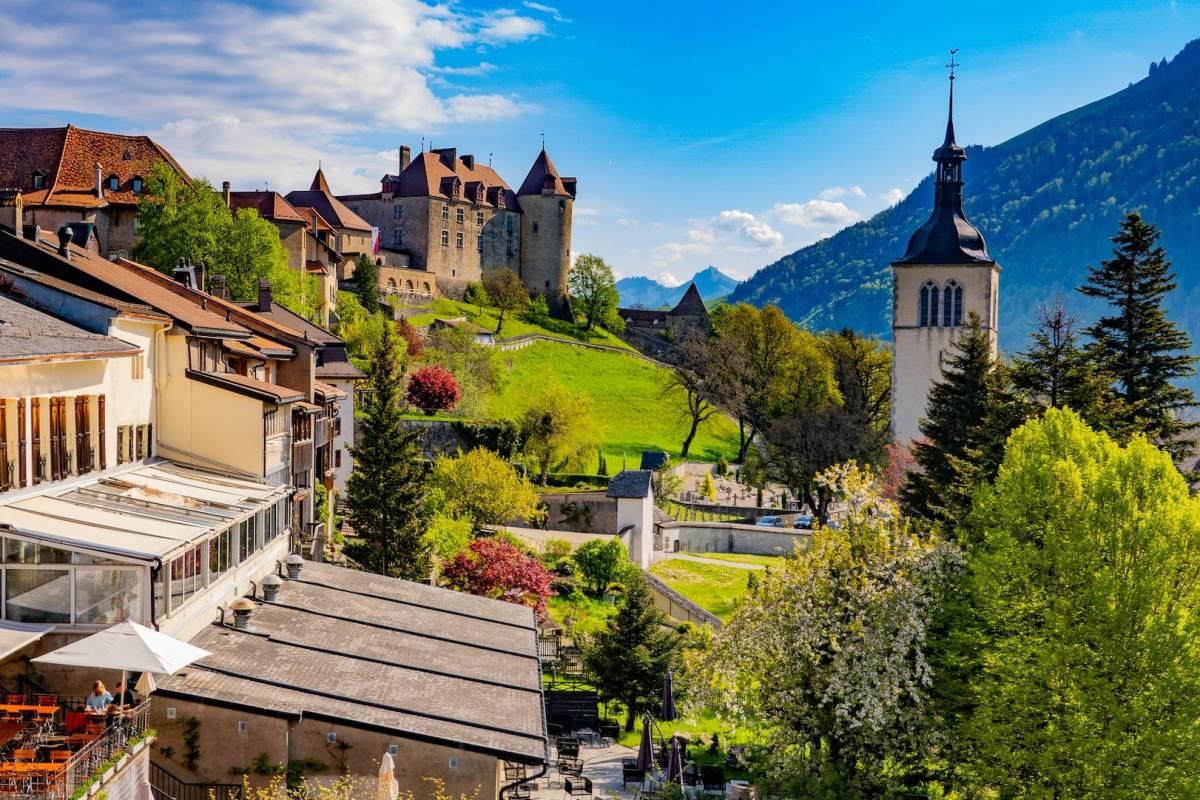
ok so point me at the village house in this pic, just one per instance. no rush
(351, 234)
(74, 175)
(689, 312)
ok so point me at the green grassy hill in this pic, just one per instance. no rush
(631, 413)
(514, 325)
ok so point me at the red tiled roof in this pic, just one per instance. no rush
(327, 391)
(333, 210)
(316, 266)
(68, 157)
(269, 205)
(642, 315)
(543, 174)
(316, 223)
(429, 175)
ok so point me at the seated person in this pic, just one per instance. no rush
(98, 701)
(122, 697)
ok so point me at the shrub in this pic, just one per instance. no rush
(602, 564)
(413, 340)
(539, 309)
(554, 550)
(433, 388)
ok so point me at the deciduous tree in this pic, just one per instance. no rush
(498, 569)
(603, 563)
(557, 427)
(484, 489)
(385, 493)
(593, 290)
(433, 388)
(694, 373)
(508, 294)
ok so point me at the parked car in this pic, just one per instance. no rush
(804, 522)
(770, 522)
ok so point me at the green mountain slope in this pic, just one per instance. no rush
(1047, 201)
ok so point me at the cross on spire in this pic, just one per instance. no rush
(953, 65)
(543, 140)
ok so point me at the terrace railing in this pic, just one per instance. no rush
(166, 785)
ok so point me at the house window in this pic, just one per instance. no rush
(337, 458)
(459, 216)
(445, 213)
(39, 180)
(114, 183)
(479, 218)
(397, 211)
(445, 238)
(479, 242)
(458, 240)
(137, 185)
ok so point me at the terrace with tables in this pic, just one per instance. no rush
(50, 747)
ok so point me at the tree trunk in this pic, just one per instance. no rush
(544, 472)
(629, 717)
(500, 322)
(687, 443)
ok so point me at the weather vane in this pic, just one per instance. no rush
(953, 63)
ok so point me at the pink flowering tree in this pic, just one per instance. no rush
(498, 569)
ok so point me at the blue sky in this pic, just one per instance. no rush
(701, 132)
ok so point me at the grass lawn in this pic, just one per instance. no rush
(742, 558)
(710, 586)
(580, 614)
(444, 308)
(631, 415)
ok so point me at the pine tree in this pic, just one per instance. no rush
(1142, 349)
(629, 659)
(365, 280)
(960, 423)
(386, 492)
(1054, 371)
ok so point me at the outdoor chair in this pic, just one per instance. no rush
(16, 700)
(712, 779)
(24, 755)
(578, 787)
(45, 700)
(571, 766)
(60, 755)
(610, 731)
(630, 773)
(568, 746)
(690, 775)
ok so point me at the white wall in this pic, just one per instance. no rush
(639, 513)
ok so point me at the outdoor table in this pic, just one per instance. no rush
(20, 709)
(31, 766)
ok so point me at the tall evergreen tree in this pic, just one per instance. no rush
(366, 278)
(965, 417)
(1055, 371)
(629, 659)
(386, 492)
(1143, 350)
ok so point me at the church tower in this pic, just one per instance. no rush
(945, 275)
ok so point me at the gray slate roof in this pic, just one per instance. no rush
(380, 653)
(654, 459)
(630, 483)
(29, 334)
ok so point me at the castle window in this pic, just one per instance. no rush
(479, 218)
(535, 227)
(952, 297)
(928, 314)
(459, 216)
(562, 207)
(114, 183)
(479, 242)
(39, 180)
(397, 237)
(458, 240)
(508, 222)
(397, 211)
(445, 238)
(445, 213)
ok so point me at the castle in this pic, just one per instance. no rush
(451, 217)
(945, 275)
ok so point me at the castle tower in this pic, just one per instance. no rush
(945, 275)
(547, 201)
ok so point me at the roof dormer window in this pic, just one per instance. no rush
(114, 183)
(39, 179)
(137, 185)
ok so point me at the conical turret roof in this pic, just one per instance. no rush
(542, 174)
(691, 304)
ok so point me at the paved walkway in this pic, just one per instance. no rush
(602, 765)
(715, 561)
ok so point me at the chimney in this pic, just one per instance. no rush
(99, 180)
(270, 587)
(183, 274)
(198, 276)
(225, 193)
(12, 210)
(448, 156)
(295, 563)
(242, 608)
(264, 296)
(216, 286)
(64, 241)
(405, 156)
(469, 162)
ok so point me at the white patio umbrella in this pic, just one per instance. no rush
(128, 647)
(144, 792)
(389, 788)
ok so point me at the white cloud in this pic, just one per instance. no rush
(816, 213)
(626, 222)
(834, 192)
(701, 235)
(892, 196)
(256, 94)
(667, 279)
(675, 251)
(751, 227)
(554, 13)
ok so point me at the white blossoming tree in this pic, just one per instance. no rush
(827, 654)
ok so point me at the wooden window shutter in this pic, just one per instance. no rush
(35, 409)
(21, 443)
(100, 443)
(5, 473)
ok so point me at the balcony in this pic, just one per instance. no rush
(51, 759)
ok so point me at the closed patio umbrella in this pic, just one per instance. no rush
(128, 647)
(645, 756)
(674, 764)
(388, 788)
(668, 698)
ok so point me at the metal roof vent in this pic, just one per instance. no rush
(295, 563)
(270, 587)
(242, 608)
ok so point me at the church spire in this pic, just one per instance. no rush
(950, 117)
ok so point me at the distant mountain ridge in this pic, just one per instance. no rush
(641, 292)
(1047, 200)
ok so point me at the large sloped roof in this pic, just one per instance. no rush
(691, 304)
(544, 174)
(29, 335)
(321, 199)
(269, 205)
